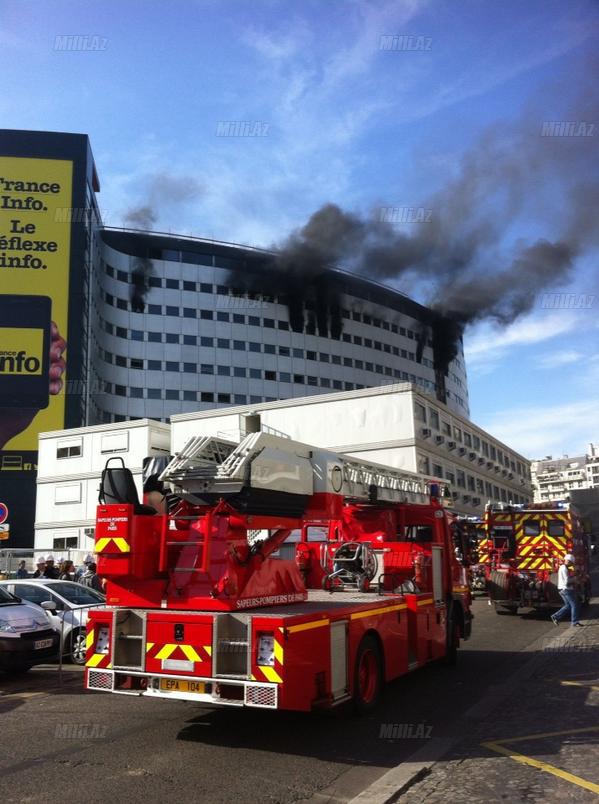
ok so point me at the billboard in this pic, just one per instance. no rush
(35, 254)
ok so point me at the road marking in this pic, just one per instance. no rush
(499, 748)
(586, 684)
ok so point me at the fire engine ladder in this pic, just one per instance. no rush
(376, 482)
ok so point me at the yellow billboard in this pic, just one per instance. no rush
(35, 246)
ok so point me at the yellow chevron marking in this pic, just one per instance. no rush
(166, 651)
(254, 677)
(293, 629)
(109, 666)
(95, 660)
(149, 646)
(383, 610)
(89, 639)
(208, 649)
(191, 653)
(278, 652)
(119, 542)
(271, 674)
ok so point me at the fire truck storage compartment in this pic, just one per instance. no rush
(129, 639)
(232, 643)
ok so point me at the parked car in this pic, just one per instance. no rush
(26, 636)
(69, 614)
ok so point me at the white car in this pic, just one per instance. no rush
(69, 614)
(26, 637)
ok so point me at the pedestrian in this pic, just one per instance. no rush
(567, 592)
(51, 571)
(91, 578)
(66, 570)
(89, 559)
(22, 570)
(41, 566)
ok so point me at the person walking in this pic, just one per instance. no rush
(567, 592)
(22, 570)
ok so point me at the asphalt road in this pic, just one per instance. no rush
(61, 744)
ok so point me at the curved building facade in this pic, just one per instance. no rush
(181, 324)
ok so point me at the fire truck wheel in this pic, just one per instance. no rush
(452, 640)
(368, 676)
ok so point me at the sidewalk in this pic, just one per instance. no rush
(539, 744)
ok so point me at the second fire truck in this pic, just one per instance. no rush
(213, 602)
(522, 549)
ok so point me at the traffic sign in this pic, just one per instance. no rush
(3, 512)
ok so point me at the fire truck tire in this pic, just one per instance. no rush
(452, 639)
(498, 586)
(368, 676)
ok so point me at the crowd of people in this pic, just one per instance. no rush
(64, 570)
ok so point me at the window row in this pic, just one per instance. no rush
(240, 345)
(430, 416)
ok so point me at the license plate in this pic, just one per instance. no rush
(178, 685)
(42, 643)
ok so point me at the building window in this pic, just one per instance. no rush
(206, 396)
(190, 340)
(253, 321)
(189, 312)
(172, 365)
(154, 365)
(224, 398)
(238, 371)
(284, 376)
(155, 309)
(155, 337)
(206, 315)
(254, 347)
(255, 374)
(136, 393)
(223, 343)
(71, 449)
(207, 368)
(205, 288)
(120, 390)
(298, 378)
(187, 285)
(170, 394)
(171, 337)
(269, 322)
(298, 353)
(270, 375)
(189, 396)
(224, 371)
(284, 351)
(170, 310)
(154, 393)
(207, 341)
(239, 346)
(190, 368)
(238, 319)
(269, 349)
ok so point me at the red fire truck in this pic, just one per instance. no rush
(283, 576)
(522, 552)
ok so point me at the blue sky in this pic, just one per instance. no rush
(344, 121)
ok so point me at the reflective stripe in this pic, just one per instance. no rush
(307, 626)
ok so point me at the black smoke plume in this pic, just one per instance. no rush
(164, 192)
(518, 176)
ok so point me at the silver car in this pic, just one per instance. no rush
(72, 602)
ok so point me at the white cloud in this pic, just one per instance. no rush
(535, 431)
(487, 343)
(564, 357)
